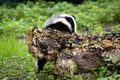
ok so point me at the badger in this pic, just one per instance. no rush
(63, 22)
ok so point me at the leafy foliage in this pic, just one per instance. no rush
(89, 15)
(17, 63)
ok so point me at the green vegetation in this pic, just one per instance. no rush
(17, 63)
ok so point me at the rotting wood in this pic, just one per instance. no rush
(71, 52)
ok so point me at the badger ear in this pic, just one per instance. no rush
(73, 16)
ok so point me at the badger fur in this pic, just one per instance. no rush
(63, 22)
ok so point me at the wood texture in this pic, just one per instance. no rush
(72, 52)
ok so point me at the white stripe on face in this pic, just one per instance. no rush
(64, 21)
(66, 15)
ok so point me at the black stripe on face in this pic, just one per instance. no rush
(70, 20)
(59, 26)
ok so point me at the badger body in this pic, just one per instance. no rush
(63, 22)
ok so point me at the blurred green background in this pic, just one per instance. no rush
(17, 16)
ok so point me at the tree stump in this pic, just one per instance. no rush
(73, 53)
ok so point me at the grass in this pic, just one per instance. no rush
(15, 60)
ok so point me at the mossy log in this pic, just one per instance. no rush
(72, 52)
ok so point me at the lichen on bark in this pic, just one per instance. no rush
(74, 52)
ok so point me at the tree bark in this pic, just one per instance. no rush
(72, 52)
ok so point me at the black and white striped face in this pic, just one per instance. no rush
(63, 22)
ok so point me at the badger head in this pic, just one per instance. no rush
(62, 22)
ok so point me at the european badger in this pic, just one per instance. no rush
(62, 22)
